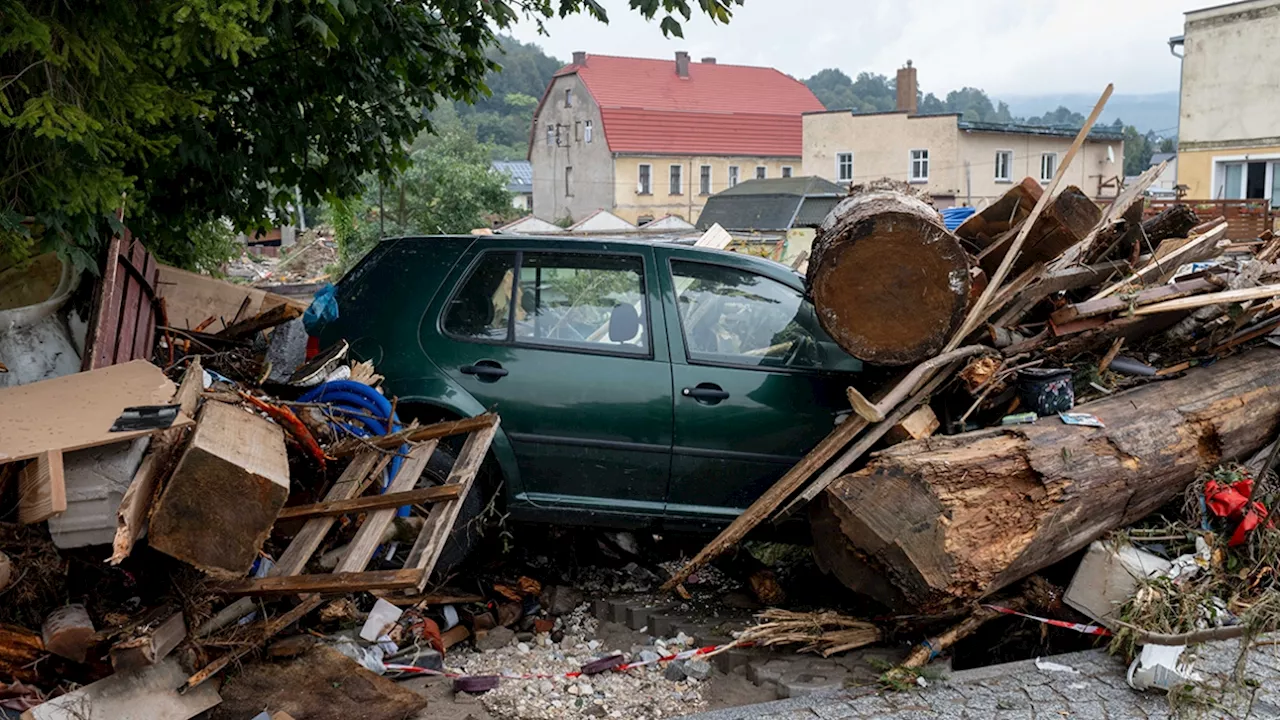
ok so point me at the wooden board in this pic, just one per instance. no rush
(340, 583)
(369, 536)
(42, 490)
(123, 320)
(1114, 303)
(74, 412)
(146, 694)
(191, 298)
(421, 496)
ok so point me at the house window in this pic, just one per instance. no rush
(704, 180)
(559, 141)
(568, 97)
(586, 132)
(1004, 166)
(786, 171)
(568, 180)
(1248, 180)
(733, 175)
(644, 186)
(577, 131)
(919, 166)
(551, 135)
(844, 167)
(760, 172)
(1048, 166)
(677, 180)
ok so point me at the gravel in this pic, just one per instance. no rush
(644, 693)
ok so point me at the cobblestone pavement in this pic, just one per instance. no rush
(1022, 691)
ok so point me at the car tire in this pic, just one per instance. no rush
(466, 529)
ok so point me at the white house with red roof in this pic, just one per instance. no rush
(645, 138)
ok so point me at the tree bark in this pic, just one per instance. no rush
(1173, 221)
(1065, 222)
(935, 523)
(890, 283)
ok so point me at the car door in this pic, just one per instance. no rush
(567, 356)
(756, 382)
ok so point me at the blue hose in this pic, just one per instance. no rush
(369, 412)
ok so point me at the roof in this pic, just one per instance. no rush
(1025, 129)
(719, 109)
(777, 204)
(1157, 158)
(520, 172)
(667, 222)
(601, 220)
(529, 224)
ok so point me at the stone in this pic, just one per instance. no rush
(522, 647)
(495, 639)
(560, 599)
(287, 350)
(648, 656)
(675, 671)
(546, 687)
(697, 669)
(597, 711)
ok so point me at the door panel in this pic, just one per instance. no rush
(757, 340)
(568, 359)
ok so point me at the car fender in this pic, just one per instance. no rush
(446, 396)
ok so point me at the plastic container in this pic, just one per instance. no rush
(1046, 391)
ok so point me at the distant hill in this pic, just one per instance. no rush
(1155, 111)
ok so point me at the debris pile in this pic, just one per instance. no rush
(1086, 366)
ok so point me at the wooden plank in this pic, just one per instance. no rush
(431, 540)
(1199, 301)
(1209, 239)
(144, 695)
(149, 648)
(369, 536)
(262, 321)
(190, 298)
(42, 490)
(270, 630)
(349, 485)
(74, 412)
(330, 583)
(131, 300)
(979, 312)
(105, 314)
(434, 431)
(1113, 304)
(422, 496)
(136, 503)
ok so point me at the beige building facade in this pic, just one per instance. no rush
(1229, 112)
(957, 162)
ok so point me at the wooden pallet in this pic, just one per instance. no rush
(345, 497)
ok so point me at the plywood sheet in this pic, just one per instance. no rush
(191, 298)
(76, 411)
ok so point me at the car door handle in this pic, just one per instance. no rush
(708, 393)
(484, 370)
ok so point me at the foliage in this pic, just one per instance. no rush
(186, 111)
(1138, 149)
(448, 187)
(503, 118)
(208, 246)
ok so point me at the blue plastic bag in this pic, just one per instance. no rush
(322, 311)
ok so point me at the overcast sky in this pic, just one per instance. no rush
(1006, 47)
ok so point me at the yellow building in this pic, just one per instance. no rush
(1229, 117)
(647, 138)
(958, 162)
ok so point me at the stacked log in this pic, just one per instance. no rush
(873, 304)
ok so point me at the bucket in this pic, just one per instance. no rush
(1046, 391)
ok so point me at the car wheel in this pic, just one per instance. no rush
(466, 530)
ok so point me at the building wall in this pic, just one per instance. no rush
(629, 204)
(881, 145)
(1090, 167)
(592, 163)
(1230, 74)
(1202, 171)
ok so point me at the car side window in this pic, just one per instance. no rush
(582, 301)
(481, 307)
(735, 317)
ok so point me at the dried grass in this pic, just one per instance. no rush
(825, 632)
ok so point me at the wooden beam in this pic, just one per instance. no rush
(264, 320)
(979, 312)
(863, 407)
(1209, 239)
(1199, 301)
(42, 490)
(435, 431)
(369, 536)
(329, 583)
(422, 496)
(270, 630)
(1114, 304)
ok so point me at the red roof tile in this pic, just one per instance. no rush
(717, 110)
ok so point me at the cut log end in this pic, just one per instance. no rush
(876, 307)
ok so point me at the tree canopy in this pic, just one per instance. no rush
(183, 112)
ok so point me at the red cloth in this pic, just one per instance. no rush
(1231, 502)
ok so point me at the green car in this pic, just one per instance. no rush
(640, 384)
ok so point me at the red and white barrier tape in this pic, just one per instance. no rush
(1086, 629)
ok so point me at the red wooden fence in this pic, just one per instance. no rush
(125, 307)
(1246, 219)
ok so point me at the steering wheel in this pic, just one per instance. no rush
(806, 348)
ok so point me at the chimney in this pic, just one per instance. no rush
(682, 63)
(907, 89)
(580, 57)
(708, 61)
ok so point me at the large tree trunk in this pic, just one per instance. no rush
(890, 283)
(1065, 222)
(933, 523)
